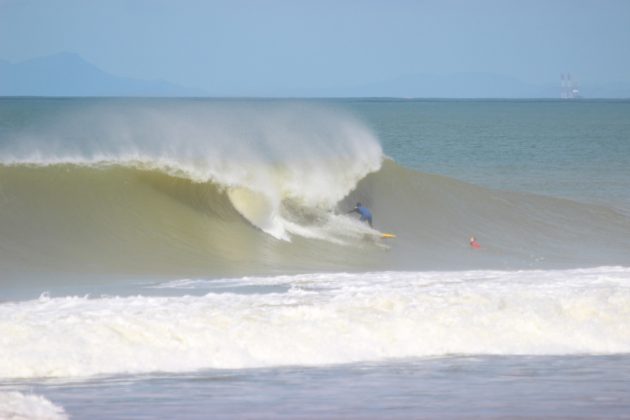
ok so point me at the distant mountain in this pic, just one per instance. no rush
(465, 85)
(67, 74)
(458, 85)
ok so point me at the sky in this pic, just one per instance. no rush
(259, 47)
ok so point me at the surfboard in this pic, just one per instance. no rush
(388, 235)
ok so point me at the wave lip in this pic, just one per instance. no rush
(322, 319)
(262, 155)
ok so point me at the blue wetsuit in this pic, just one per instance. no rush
(366, 215)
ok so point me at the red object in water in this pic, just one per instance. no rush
(474, 244)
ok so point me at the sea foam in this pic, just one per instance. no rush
(320, 319)
(18, 406)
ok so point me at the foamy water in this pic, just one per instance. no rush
(19, 406)
(321, 319)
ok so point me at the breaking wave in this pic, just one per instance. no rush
(185, 189)
(320, 319)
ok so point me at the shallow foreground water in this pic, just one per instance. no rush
(444, 387)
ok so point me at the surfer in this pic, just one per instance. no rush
(366, 215)
(473, 243)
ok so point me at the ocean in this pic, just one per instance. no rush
(197, 258)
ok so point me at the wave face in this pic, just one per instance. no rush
(146, 188)
(320, 319)
(168, 189)
(262, 155)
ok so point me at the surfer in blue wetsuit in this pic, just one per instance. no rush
(366, 215)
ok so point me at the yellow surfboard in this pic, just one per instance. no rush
(388, 235)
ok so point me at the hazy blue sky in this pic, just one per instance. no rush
(257, 46)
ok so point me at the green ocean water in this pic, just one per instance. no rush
(194, 258)
(575, 149)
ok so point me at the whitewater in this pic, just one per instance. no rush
(149, 245)
(320, 319)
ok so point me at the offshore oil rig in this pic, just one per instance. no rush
(568, 87)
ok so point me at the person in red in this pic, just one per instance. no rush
(473, 243)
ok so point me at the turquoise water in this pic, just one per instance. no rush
(579, 150)
(159, 300)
